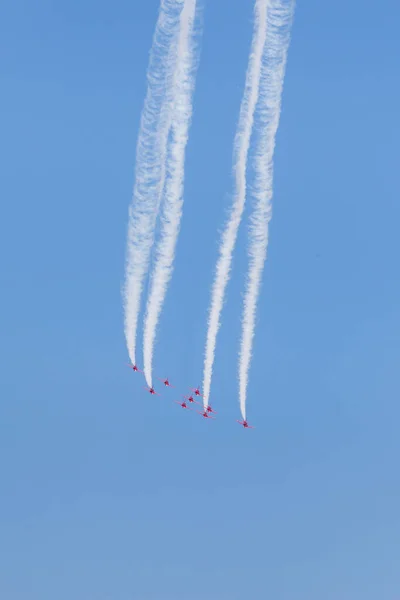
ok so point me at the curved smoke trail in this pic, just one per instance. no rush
(280, 14)
(173, 190)
(150, 163)
(241, 149)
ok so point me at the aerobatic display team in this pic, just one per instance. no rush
(158, 196)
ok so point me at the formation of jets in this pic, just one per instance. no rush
(206, 413)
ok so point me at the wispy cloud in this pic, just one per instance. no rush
(279, 20)
(175, 170)
(241, 149)
(150, 163)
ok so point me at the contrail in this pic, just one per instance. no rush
(279, 20)
(241, 149)
(150, 163)
(173, 190)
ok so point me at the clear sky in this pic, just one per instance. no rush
(108, 495)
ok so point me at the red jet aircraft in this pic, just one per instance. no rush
(245, 425)
(196, 392)
(165, 382)
(210, 410)
(183, 404)
(191, 399)
(151, 391)
(134, 367)
(205, 414)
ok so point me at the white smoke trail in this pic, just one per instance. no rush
(150, 163)
(280, 14)
(241, 148)
(173, 191)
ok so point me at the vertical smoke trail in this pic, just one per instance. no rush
(241, 148)
(150, 163)
(280, 14)
(173, 191)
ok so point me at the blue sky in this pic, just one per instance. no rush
(106, 494)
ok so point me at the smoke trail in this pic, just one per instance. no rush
(279, 20)
(241, 148)
(173, 191)
(150, 163)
